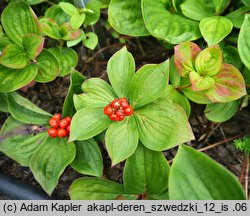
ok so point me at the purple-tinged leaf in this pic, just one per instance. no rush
(229, 85)
(50, 28)
(33, 45)
(184, 57)
(67, 33)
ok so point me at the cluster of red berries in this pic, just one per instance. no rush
(59, 127)
(118, 109)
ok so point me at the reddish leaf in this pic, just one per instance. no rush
(33, 45)
(67, 33)
(184, 57)
(229, 85)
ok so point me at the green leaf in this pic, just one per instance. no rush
(121, 139)
(68, 8)
(77, 20)
(97, 93)
(74, 42)
(220, 5)
(56, 13)
(50, 28)
(244, 43)
(178, 98)
(121, 69)
(48, 67)
(67, 59)
(126, 17)
(18, 19)
(163, 25)
(13, 56)
(25, 111)
(34, 2)
(195, 176)
(4, 41)
(92, 18)
(184, 57)
(3, 104)
(172, 126)
(76, 80)
(87, 123)
(214, 29)
(67, 33)
(13, 79)
(246, 2)
(231, 56)
(19, 147)
(209, 61)
(220, 112)
(49, 161)
(148, 83)
(88, 158)
(33, 45)
(229, 85)
(237, 16)
(143, 169)
(91, 41)
(196, 96)
(95, 189)
(200, 83)
(198, 9)
(174, 76)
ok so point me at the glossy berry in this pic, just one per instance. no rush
(53, 132)
(116, 103)
(68, 128)
(120, 113)
(56, 116)
(128, 111)
(68, 118)
(62, 132)
(64, 123)
(113, 117)
(124, 104)
(54, 123)
(120, 118)
(108, 110)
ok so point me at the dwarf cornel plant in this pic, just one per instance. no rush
(157, 122)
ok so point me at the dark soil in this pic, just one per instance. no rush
(50, 97)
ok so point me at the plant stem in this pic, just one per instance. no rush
(216, 144)
(179, 88)
(242, 170)
(246, 174)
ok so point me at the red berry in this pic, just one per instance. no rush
(68, 128)
(53, 132)
(64, 123)
(62, 132)
(115, 103)
(124, 104)
(113, 117)
(123, 99)
(108, 110)
(54, 122)
(120, 118)
(68, 118)
(128, 111)
(57, 116)
(119, 113)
